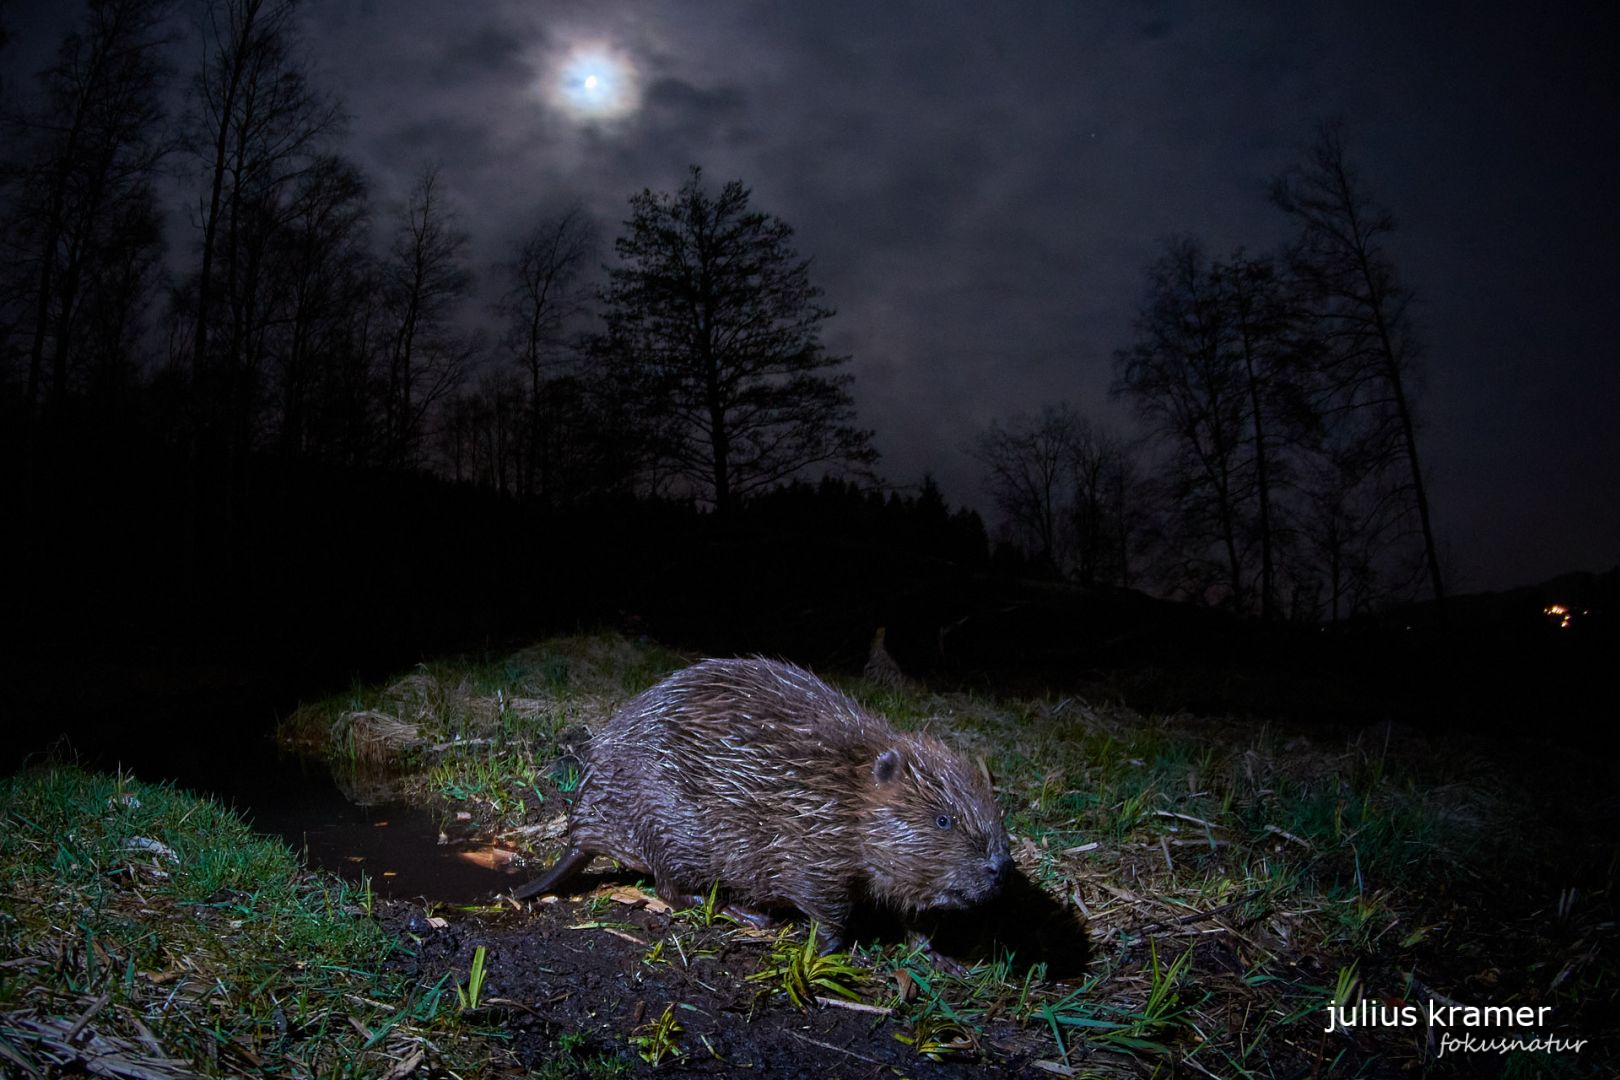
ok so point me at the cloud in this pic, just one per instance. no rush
(495, 52)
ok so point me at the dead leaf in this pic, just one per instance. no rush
(634, 897)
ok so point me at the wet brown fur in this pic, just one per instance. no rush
(759, 776)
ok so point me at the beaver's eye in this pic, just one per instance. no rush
(943, 821)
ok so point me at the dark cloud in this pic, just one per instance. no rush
(494, 52)
(677, 114)
(709, 104)
(449, 140)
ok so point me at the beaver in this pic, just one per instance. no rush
(755, 775)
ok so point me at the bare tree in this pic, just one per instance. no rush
(82, 201)
(484, 431)
(424, 279)
(1345, 521)
(1104, 510)
(1030, 470)
(1343, 264)
(1189, 384)
(713, 315)
(1265, 336)
(1063, 487)
(545, 276)
(109, 335)
(254, 125)
(321, 279)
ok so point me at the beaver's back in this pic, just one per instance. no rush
(743, 771)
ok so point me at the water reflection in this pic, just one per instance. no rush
(351, 821)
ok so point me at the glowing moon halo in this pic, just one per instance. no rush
(596, 83)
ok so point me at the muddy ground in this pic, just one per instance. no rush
(570, 978)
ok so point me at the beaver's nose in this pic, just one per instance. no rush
(1000, 864)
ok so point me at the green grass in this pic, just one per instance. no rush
(468, 997)
(181, 940)
(658, 1040)
(795, 968)
(488, 735)
(1226, 869)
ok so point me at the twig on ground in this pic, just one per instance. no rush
(1197, 916)
(1286, 835)
(88, 1014)
(836, 1049)
(855, 1006)
(1187, 817)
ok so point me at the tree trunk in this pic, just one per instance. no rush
(1263, 490)
(216, 189)
(1392, 372)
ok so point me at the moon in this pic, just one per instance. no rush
(596, 82)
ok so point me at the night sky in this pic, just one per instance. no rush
(982, 187)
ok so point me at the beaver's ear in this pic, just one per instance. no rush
(887, 766)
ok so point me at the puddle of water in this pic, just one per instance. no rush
(297, 799)
(396, 845)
